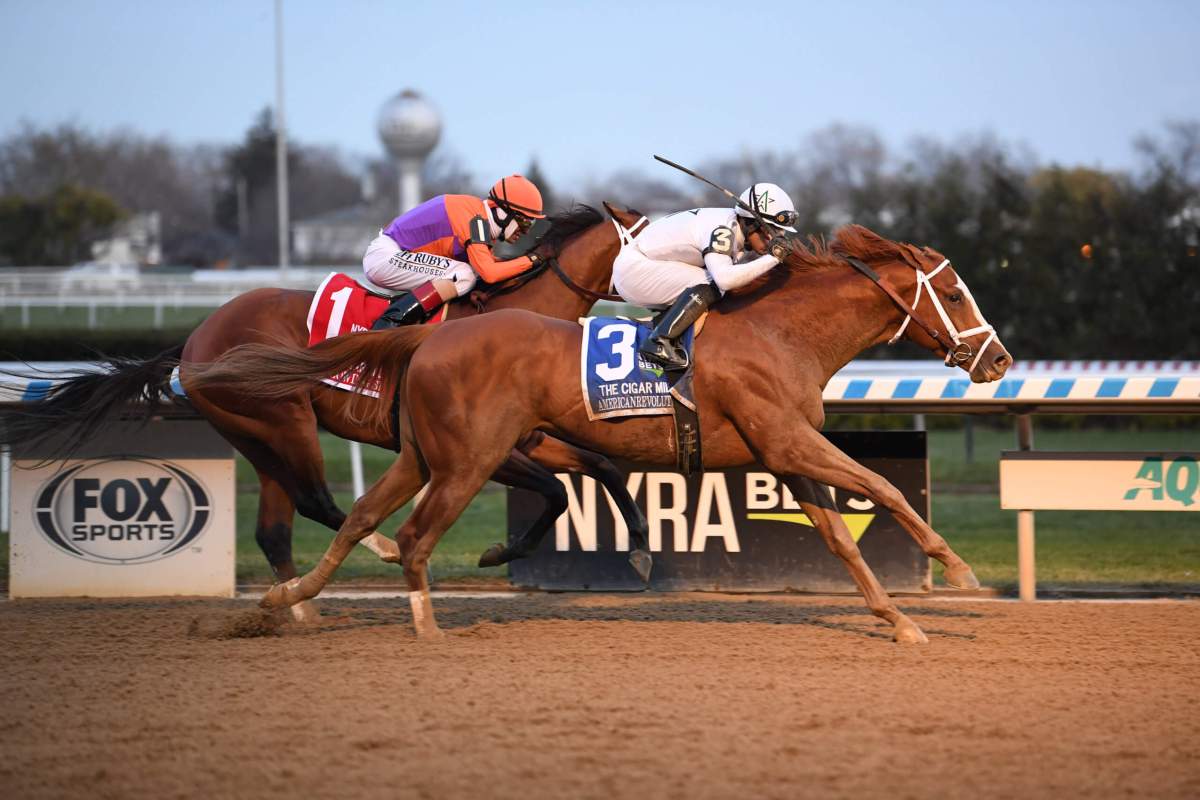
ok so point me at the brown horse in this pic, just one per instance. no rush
(280, 438)
(762, 362)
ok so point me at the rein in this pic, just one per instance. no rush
(626, 237)
(481, 297)
(961, 350)
(586, 294)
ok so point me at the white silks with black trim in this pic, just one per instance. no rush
(685, 249)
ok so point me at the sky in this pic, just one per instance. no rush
(591, 88)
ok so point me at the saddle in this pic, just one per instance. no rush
(617, 382)
(342, 305)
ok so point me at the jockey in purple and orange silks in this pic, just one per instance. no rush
(434, 252)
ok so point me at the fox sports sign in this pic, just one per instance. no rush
(123, 511)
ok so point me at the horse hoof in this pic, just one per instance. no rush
(642, 562)
(305, 612)
(907, 632)
(279, 595)
(961, 577)
(387, 549)
(491, 556)
(433, 634)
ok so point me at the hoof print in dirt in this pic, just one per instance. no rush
(243, 625)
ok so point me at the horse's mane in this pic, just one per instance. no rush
(566, 224)
(854, 241)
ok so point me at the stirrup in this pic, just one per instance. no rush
(666, 353)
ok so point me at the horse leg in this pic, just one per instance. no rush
(276, 509)
(399, 484)
(273, 533)
(811, 454)
(816, 503)
(555, 454)
(520, 472)
(299, 451)
(437, 510)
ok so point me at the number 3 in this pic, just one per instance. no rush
(622, 348)
(722, 241)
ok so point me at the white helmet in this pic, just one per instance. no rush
(772, 203)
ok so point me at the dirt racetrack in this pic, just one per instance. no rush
(562, 696)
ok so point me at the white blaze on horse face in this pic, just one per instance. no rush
(961, 286)
(978, 327)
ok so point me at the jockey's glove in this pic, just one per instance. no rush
(779, 247)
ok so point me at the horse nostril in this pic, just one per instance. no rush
(1002, 361)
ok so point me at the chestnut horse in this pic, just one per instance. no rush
(761, 364)
(280, 438)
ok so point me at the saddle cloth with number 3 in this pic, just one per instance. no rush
(616, 381)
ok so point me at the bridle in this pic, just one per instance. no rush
(481, 297)
(958, 350)
(625, 235)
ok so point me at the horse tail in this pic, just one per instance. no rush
(379, 359)
(78, 402)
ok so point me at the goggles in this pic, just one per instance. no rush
(512, 214)
(786, 219)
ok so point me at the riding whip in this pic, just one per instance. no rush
(731, 195)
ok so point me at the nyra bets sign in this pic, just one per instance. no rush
(728, 529)
(123, 527)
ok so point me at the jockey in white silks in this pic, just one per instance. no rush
(688, 259)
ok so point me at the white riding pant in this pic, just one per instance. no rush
(392, 269)
(650, 283)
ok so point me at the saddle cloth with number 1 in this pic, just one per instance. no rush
(342, 305)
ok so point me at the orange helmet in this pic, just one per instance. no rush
(517, 195)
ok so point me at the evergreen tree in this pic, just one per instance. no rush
(56, 229)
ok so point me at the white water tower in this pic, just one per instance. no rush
(410, 127)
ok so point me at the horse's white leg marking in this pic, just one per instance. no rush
(382, 546)
(305, 611)
(422, 611)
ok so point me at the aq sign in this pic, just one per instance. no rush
(1036, 479)
(734, 529)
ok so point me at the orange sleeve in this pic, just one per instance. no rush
(460, 210)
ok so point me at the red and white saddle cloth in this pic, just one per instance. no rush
(342, 305)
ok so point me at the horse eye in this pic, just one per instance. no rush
(956, 297)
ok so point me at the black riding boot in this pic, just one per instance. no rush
(662, 345)
(410, 308)
(405, 309)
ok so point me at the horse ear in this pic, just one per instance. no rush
(614, 210)
(627, 217)
(912, 255)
